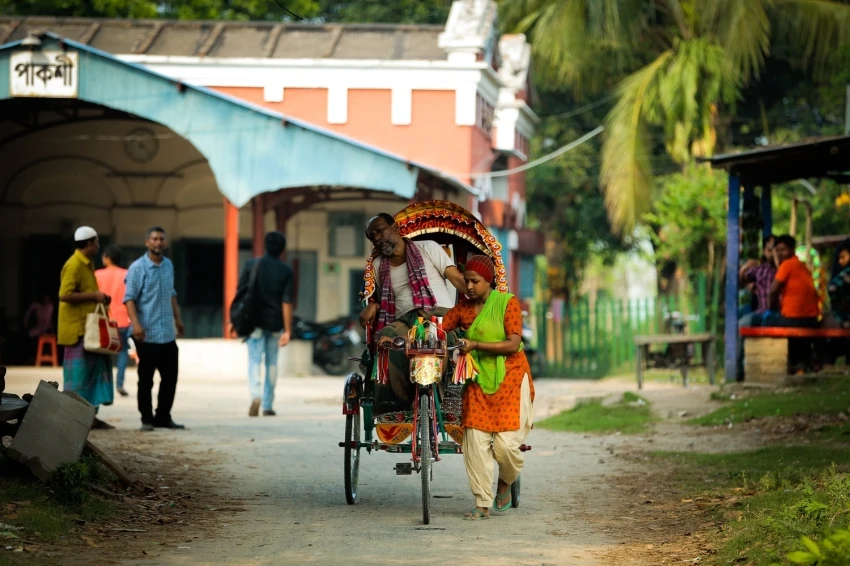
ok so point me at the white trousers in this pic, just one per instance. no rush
(480, 448)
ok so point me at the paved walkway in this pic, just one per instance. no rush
(288, 471)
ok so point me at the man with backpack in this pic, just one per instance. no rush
(262, 313)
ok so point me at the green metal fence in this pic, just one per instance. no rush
(594, 338)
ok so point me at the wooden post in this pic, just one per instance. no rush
(126, 479)
(258, 232)
(281, 216)
(766, 212)
(733, 239)
(793, 228)
(231, 259)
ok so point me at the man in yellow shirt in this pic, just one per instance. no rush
(86, 374)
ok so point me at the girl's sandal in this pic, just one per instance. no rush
(476, 515)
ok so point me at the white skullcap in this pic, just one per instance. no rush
(84, 233)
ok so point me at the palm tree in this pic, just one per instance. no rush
(682, 63)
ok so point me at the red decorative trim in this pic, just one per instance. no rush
(435, 217)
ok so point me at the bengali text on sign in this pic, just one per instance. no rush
(46, 74)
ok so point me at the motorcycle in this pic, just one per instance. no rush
(333, 342)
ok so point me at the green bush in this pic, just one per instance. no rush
(833, 550)
(69, 483)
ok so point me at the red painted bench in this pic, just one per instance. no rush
(784, 332)
(766, 349)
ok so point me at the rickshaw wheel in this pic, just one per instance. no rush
(352, 456)
(425, 455)
(515, 487)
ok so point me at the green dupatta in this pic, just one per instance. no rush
(489, 326)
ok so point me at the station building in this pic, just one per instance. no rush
(221, 131)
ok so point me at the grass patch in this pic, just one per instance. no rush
(631, 415)
(49, 511)
(827, 399)
(694, 471)
(788, 492)
(837, 433)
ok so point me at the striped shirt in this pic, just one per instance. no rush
(151, 287)
(763, 275)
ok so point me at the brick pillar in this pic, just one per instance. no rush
(231, 259)
(258, 231)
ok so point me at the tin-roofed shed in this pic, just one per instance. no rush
(819, 158)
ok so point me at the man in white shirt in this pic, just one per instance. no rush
(416, 280)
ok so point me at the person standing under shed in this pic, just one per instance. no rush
(155, 325)
(87, 374)
(111, 280)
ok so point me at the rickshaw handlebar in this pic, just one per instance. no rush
(400, 343)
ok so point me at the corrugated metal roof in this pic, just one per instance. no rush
(250, 149)
(818, 157)
(237, 39)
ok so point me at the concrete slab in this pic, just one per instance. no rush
(53, 432)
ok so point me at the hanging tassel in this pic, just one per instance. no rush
(465, 369)
(383, 365)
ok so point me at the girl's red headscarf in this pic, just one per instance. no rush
(483, 266)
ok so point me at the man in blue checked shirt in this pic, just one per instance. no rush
(155, 325)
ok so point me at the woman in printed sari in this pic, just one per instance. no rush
(497, 406)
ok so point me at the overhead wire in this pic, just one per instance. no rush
(582, 109)
(549, 156)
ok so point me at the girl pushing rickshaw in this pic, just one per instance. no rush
(470, 389)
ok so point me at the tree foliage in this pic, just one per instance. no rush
(382, 11)
(689, 218)
(361, 11)
(564, 196)
(686, 64)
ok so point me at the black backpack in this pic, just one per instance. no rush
(243, 309)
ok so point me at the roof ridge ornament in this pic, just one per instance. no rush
(470, 30)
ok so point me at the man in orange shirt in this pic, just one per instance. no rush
(793, 289)
(110, 280)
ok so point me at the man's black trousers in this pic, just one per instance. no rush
(153, 357)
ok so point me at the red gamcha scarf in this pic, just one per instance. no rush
(423, 297)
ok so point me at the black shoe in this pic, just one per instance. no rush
(121, 391)
(147, 427)
(269, 413)
(169, 424)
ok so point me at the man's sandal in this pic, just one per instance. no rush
(505, 498)
(476, 515)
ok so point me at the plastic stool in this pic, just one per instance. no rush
(52, 357)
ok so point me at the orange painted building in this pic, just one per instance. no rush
(452, 98)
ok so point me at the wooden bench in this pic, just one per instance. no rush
(766, 349)
(704, 339)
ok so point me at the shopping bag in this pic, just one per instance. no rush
(101, 335)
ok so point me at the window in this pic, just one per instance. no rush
(346, 234)
(484, 114)
(499, 189)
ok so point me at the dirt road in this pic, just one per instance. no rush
(287, 473)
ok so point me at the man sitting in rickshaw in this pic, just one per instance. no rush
(414, 279)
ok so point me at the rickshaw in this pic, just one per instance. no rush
(433, 423)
